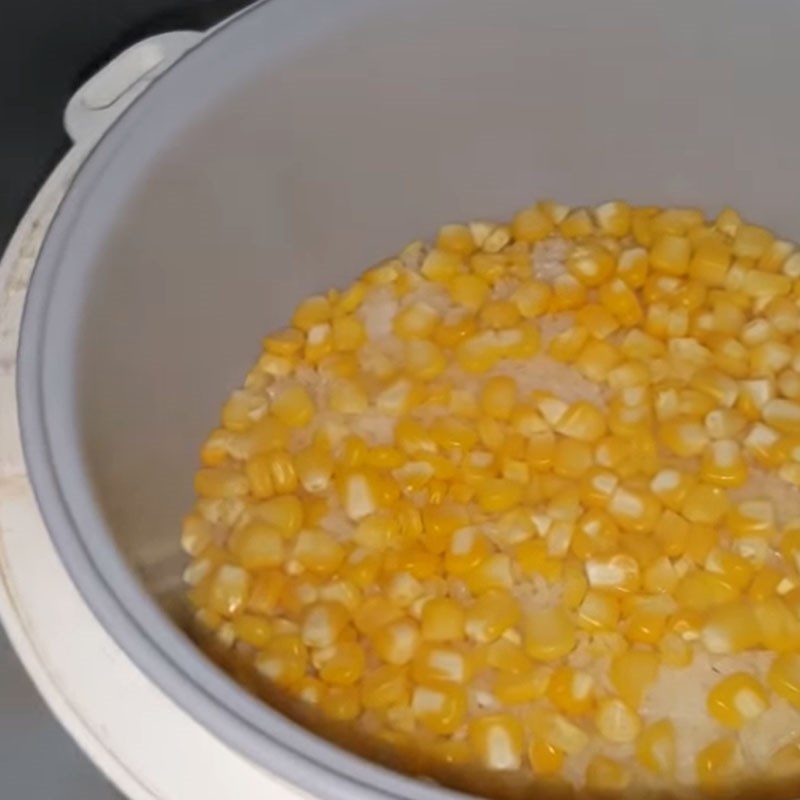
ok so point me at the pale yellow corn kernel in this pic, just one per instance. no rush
(711, 262)
(577, 224)
(220, 483)
(670, 254)
(661, 577)
(614, 218)
(440, 707)
(385, 686)
(789, 384)
(597, 320)
(496, 239)
(598, 611)
(568, 293)
(715, 764)
(271, 473)
(315, 310)
(754, 517)
(497, 740)
(591, 264)
(582, 421)
(318, 551)
(443, 619)
(596, 359)
(791, 266)
(498, 314)
(348, 333)
(441, 265)
(520, 687)
(341, 703)
(424, 360)
(566, 345)
(375, 614)
(467, 548)
(532, 299)
(344, 664)
(549, 634)
(725, 423)
(705, 504)
(555, 210)
(319, 343)
(196, 534)
(287, 342)
(457, 239)
(386, 272)
(784, 677)
(434, 662)
(762, 443)
(731, 567)
(495, 572)
(491, 615)
(545, 759)
(671, 532)
(634, 509)
(656, 748)
(723, 464)
(323, 624)
(397, 641)
(284, 513)
(293, 406)
(350, 299)
(784, 763)
(751, 241)
(618, 573)
(782, 415)
(283, 660)
(469, 291)
(617, 721)
(498, 396)
(258, 545)
(737, 700)
(674, 651)
(242, 409)
(416, 321)
(507, 656)
(571, 691)
(728, 222)
(229, 590)
(532, 224)
(605, 776)
(558, 731)
(632, 673)
(623, 303)
(403, 589)
(731, 628)
(498, 494)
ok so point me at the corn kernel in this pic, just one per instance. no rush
(497, 740)
(549, 634)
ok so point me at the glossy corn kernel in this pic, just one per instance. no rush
(283, 660)
(497, 740)
(571, 691)
(731, 628)
(549, 634)
(737, 700)
(632, 673)
(716, 763)
(397, 641)
(557, 730)
(784, 677)
(439, 707)
(655, 748)
(519, 688)
(491, 615)
(545, 758)
(591, 264)
(385, 686)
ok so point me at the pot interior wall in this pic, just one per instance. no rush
(420, 113)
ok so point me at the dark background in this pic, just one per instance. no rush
(47, 49)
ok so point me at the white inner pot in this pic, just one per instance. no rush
(297, 146)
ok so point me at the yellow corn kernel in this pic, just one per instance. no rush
(597, 320)
(591, 264)
(577, 224)
(284, 513)
(498, 396)
(314, 468)
(258, 545)
(439, 707)
(493, 572)
(318, 551)
(706, 504)
(293, 406)
(343, 665)
(752, 518)
(423, 360)
(196, 534)
(598, 611)
(582, 421)
(731, 628)
(571, 691)
(723, 464)
(549, 634)
(545, 758)
(498, 494)
(617, 573)
(519, 688)
(532, 224)
(632, 673)
(470, 291)
(508, 657)
(315, 310)
(443, 620)
(623, 303)
(385, 686)
(782, 415)
(441, 265)
(457, 239)
(596, 359)
(491, 615)
(784, 677)
(416, 321)
(672, 533)
(750, 241)
(555, 729)
(711, 262)
(497, 741)
(323, 623)
(283, 660)
(715, 764)
(467, 548)
(397, 641)
(287, 342)
(341, 703)
(271, 472)
(605, 775)
(674, 651)
(731, 567)
(634, 509)
(532, 299)
(670, 254)
(684, 436)
(572, 458)
(617, 721)
(736, 700)
(568, 293)
(498, 314)
(614, 218)
(229, 590)
(784, 763)
(633, 265)
(645, 627)
(655, 748)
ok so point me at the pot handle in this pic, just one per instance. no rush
(104, 96)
